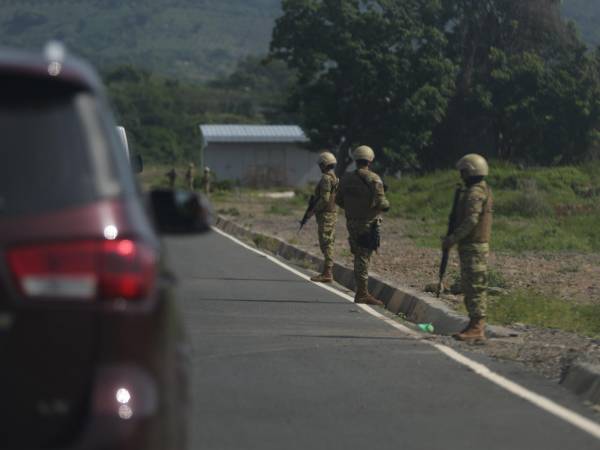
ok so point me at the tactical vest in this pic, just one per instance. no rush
(482, 232)
(358, 195)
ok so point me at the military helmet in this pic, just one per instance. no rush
(364, 152)
(326, 159)
(474, 165)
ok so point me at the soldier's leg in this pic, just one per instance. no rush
(362, 259)
(327, 238)
(324, 232)
(473, 265)
(473, 262)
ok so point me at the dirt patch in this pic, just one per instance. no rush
(572, 277)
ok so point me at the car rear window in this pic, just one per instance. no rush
(46, 157)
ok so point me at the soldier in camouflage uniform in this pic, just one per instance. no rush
(472, 235)
(362, 196)
(326, 213)
(206, 178)
(190, 176)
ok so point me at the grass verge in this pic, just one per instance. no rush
(531, 308)
(538, 209)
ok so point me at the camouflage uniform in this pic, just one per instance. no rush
(206, 179)
(474, 219)
(190, 176)
(362, 196)
(326, 214)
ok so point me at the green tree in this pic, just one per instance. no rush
(526, 90)
(369, 72)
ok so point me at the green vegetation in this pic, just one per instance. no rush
(185, 39)
(162, 115)
(426, 81)
(280, 209)
(543, 209)
(535, 309)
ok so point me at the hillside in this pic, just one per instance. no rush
(190, 39)
(194, 39)
(586, 14)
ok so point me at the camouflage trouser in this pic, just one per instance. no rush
(474, 277)
(362, 255)
(326, 229)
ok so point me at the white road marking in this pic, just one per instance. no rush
(540, 401)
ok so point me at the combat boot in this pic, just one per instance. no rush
(325, 277)
(475, 332)
(363, 296)
(468, 326)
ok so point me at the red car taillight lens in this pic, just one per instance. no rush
(84, 269)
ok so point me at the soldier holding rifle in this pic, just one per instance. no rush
(322, 205)
(472, 214)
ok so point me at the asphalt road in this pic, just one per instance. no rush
(280, 363)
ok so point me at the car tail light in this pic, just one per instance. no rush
(84, 270)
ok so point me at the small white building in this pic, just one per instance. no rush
(259, 155)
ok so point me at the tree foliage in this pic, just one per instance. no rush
(425, 81)
(526, 89)
(368, 72)
(162, 115)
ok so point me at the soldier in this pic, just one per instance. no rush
(326, 213)
(171, 177)
(472, 235)
(190, 175)
(362, 196)
(206, 180)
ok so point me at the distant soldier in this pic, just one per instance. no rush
(326, 213)
(190, 175)
(472, 235)
(362, 196)
(171, 177)
(206, 176)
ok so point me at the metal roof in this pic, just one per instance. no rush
(252, 133)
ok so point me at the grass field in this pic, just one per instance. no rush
(545, 209)
(532, 308)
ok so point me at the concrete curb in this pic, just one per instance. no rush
(417, 307)
(584, 380)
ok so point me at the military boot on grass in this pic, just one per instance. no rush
(325, 277)
(475, 332)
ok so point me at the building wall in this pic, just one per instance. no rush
(262, 165)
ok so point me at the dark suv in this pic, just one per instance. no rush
(92, 353)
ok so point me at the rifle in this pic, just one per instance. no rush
(312, 202)
(451, 228)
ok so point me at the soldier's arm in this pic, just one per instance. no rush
(380, 201)
(324, 194)
(474, 204)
